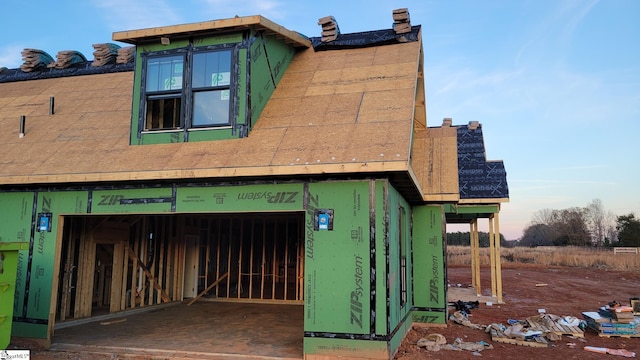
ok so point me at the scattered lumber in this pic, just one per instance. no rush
(330, 29)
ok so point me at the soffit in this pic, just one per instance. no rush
(213, 27)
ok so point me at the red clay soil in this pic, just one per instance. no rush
(568, 292)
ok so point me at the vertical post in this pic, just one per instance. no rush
(51, 105)
(492, 255)
(264, 254)
(286, 258)
(475, 261)
(498, 258)
(23, 120)
(218, 222)
(229, 257)
(274, 264)
(239, 288)
(253, 227)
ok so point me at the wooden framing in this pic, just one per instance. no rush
(494, 257)
(212, 27)
(140, 260)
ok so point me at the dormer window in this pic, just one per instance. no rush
(211, 82)
(206, 81)
(187, 90)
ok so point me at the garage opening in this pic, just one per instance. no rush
(113, 263)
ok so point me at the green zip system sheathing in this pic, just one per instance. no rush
(429, 269)
(261, 60)
(362, 261)
(8, 267)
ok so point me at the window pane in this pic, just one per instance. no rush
(211, 69)
(163, 114)
(210, 108)
(164, 73)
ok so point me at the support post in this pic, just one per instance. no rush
(496, 217)
(492, 255)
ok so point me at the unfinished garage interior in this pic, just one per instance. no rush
(238, 179)
(116, 263)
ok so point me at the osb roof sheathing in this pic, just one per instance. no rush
(339, 111)
(435, 163)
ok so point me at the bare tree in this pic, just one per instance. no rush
(599, 222)
(543, 217)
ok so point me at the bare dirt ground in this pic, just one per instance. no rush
(568, 292)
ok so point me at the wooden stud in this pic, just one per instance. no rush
(229, 255)
(239, 287)
(65, 304)
(116, 277)
(286, 259)
(125, 274)
(218, 222)
(251, 258)
(263, 258)
(150, 276)
(274, 263)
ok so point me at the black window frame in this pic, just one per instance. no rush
(186, 94)
(402, 254)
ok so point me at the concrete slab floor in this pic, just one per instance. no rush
(204, 330)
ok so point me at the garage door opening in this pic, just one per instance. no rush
(113, 263)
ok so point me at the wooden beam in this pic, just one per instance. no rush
(152, 280)
(208, 288)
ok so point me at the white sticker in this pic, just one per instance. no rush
(224, 95)
(173, 83)
(221, 79)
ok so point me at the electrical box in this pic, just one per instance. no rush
(323, 219)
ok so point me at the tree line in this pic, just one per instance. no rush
(464, 238)
(588, 226)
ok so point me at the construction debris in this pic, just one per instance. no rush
(401, 21)
(536, 331)
(613, 320)
(462, 318)
(330, 29)
(619, 352)
(104, 54)
(437, 342)
(34, 59)
(432, 342)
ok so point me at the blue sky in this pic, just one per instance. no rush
(554, 83)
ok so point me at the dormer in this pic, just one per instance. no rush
(208, 80)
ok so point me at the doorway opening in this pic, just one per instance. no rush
(113, 263)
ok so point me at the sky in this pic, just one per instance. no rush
(554, 83)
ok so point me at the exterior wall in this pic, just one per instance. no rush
(269, 59)
(429, 267)
(353, 307)
(352, 275)
(260, 62)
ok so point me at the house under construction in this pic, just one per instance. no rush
(238, 161)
